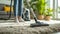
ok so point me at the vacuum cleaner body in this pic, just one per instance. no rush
(26, 14)
(38, 23)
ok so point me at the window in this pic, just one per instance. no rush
(58, 8)
(49, 4)
(55, 4)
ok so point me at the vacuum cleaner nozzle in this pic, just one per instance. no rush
(37, 24)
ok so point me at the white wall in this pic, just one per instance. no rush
(5, 2)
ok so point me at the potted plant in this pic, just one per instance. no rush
(48, 14)
(40, 5)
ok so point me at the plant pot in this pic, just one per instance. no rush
(48, 18)
(41, 17)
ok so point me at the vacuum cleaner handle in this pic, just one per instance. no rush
(31, 11)
(33, 14)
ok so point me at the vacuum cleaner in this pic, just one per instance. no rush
(38, 23)
(9, 13)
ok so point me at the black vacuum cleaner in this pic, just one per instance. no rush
(38, 23)
(7, 18)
